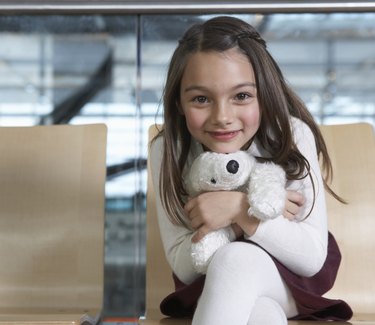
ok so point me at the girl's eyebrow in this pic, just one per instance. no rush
(197, 87)
(194, 87)
(245, 84)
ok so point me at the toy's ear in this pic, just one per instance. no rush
(201, 171)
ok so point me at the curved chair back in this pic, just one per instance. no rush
(51, 222)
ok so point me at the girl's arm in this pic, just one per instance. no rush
(214, 210)
(299, 245)
(176, 239)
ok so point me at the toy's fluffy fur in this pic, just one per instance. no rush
(264, 184)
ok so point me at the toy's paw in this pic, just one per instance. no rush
(203, 251)
(267, 192)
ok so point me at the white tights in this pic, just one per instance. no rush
(243, 287)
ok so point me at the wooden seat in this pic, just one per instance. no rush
(352, 150)
(52, 223)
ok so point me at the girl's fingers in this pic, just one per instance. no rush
(293, 204)
(295, 197)
(200, 233)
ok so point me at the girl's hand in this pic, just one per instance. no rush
(293, 204)
(214, 210)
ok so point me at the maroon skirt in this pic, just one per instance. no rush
(307, 292)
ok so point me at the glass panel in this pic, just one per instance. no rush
(329, 60)
(83, 69)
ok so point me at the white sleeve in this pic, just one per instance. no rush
(176, 239)
(300, 245)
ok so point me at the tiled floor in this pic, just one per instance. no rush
(120, 321)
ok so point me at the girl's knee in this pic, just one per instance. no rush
(239, 256)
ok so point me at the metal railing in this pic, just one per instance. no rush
(194, 6)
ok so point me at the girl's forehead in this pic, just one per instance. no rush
(217, 71)
(203, 62)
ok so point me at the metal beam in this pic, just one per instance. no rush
(174, 7)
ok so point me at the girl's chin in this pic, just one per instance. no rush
(221, 149)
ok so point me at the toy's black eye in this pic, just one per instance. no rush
(213, 180)
(232, 166)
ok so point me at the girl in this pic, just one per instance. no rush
(223, 93)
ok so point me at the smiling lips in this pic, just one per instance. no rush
(223, 135)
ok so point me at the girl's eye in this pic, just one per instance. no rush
(242, 96)
(200, 99)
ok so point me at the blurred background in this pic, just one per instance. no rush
(110, 68)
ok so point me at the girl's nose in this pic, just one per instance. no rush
(222, 114)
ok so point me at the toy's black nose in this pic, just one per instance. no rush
(232, 166)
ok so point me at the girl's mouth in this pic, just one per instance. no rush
(223, 135)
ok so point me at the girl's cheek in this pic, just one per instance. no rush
(253, 117)
(195, 119)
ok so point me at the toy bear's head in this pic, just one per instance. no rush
(212, 171)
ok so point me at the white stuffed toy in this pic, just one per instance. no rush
(264, 184)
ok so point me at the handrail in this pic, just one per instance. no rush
(174, 7)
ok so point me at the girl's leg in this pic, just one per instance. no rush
(267, 311)
(238, 275)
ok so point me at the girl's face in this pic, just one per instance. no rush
(219, 100)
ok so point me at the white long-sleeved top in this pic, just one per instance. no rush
(299, 245)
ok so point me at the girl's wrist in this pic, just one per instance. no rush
(248, 224)
(237, 230)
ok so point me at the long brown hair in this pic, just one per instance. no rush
(277, 102)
